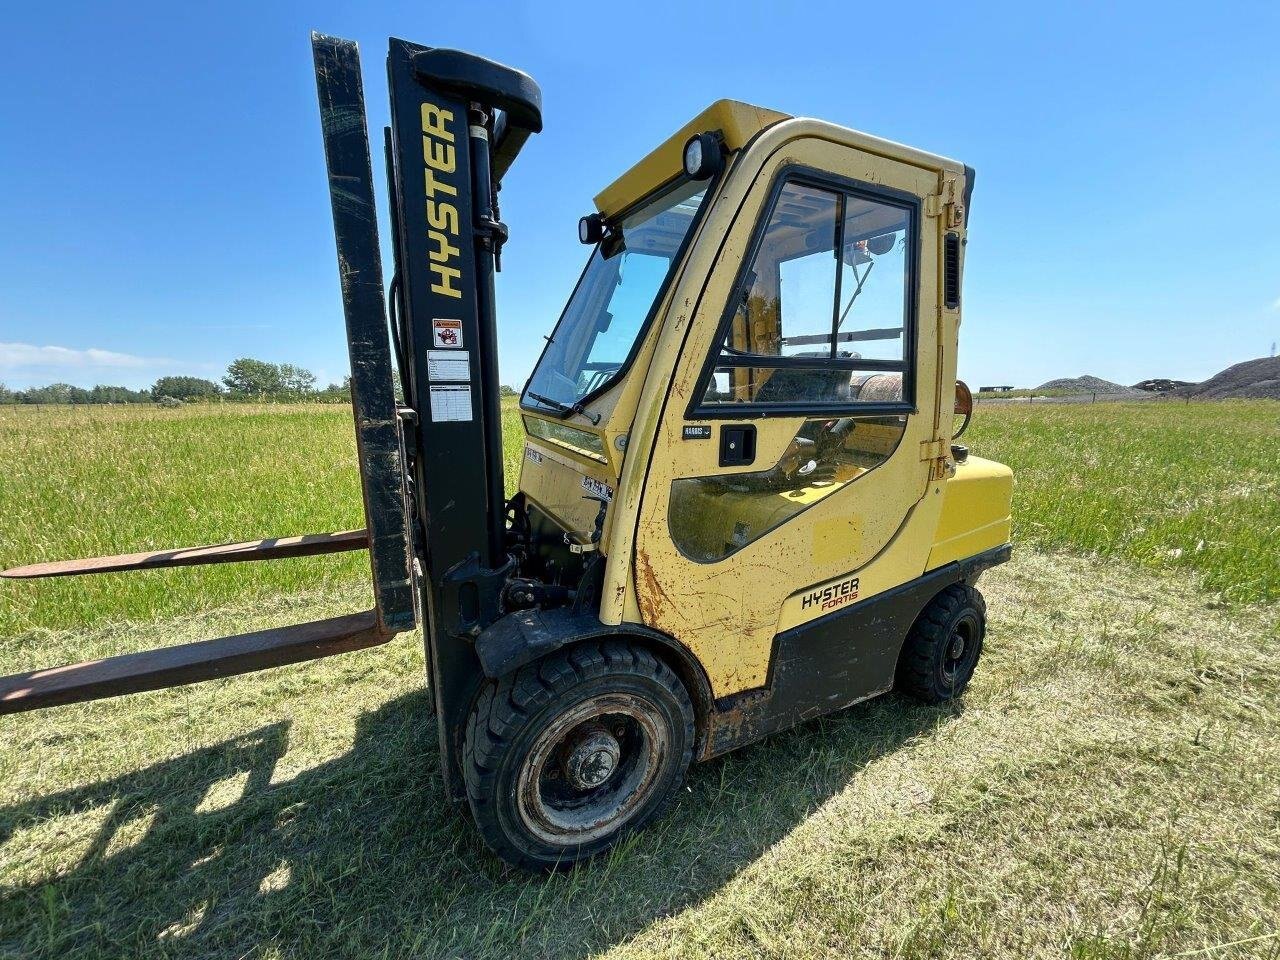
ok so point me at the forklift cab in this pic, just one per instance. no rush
(757, 370)
(743, 424)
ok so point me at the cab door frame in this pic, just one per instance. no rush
(626, 579)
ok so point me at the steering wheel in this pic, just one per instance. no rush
(811, 459)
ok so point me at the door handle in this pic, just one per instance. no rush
(737, 445)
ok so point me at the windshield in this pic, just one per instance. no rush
(603, 319)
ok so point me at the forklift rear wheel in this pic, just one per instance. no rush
(570, 753)
(942, 650)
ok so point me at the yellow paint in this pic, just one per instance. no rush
(438, 170)
(551, 477)
(975, 511)
(737, 122)
(837, 537)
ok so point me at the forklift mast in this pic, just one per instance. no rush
(457, 123)
(430, 468)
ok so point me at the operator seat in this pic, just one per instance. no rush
(804, 386)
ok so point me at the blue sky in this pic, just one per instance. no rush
(165, 207)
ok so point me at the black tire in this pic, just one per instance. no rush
(566, 756)
(943, 647)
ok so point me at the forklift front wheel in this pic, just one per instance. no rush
(942, 649)
(570, 753)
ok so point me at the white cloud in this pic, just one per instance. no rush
(21, 356)
(26, 364)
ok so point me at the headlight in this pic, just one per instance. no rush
(591, 228)
(703, 156)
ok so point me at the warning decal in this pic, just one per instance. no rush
(448, 333)
(597, 488)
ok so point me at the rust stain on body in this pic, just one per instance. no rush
(650, 595)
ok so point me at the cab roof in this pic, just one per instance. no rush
(736, 121)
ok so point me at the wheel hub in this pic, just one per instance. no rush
(957, 647)
(592, 769)
(591, 757)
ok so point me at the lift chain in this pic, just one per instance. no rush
(491, 232)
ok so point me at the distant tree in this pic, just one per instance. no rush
(53, 393)
(296, 379)
(335, 392)
(507, 391)
(7, 395)
(67, 393)
(249, 376)
(185, 388)
(108, 394)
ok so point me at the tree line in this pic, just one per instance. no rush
(246, 379)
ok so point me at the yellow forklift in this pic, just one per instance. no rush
(740, 506)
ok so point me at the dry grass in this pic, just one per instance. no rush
(1108, 789)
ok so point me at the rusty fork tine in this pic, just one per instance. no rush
(271, 548)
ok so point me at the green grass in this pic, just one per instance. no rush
(1107, 789)
(1181, 487)
(1026, 392)
(1186, 488)
(101, 480)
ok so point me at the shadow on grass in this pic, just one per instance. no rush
(361, 855)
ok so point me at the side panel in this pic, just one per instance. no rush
(975, 511)
(827, 664)
(563, 484)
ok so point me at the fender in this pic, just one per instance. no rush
(524, 636)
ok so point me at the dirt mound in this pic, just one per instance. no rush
(1086, 384)
(1253, 378)
(1162, 385)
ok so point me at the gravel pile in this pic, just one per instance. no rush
(1253, 378)
(1090, 385)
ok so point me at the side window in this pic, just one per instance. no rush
(874, 281)
(785, 300)
(824, 311)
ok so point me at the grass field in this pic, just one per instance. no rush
(1192, 489)
(1109, 787)
(85, 481)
